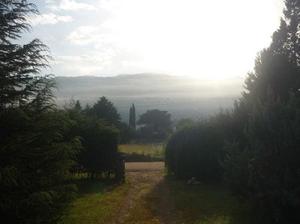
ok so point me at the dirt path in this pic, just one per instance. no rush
(148, 197)
(147, 201)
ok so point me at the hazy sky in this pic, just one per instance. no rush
(209, 39)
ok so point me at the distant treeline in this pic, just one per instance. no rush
(255, 148)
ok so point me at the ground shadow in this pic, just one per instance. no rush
(174, 201)
(88, 186)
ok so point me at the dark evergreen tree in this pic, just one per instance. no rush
(105, 110)
(77, 106)
(260, 136)
(132, 117)
(292, 19)
(36, 150)
(265, 167)
(277, 67)
(100, 143)
(99, 153)
(194, 152)
(19, 64)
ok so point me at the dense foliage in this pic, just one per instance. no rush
(155, 125)
(40, 144)
(105, 110)
(36, 148)
(36, 154)
(260, 137)
(99, 138)
(195, 152)
(266, 167)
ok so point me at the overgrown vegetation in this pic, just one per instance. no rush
(260, 157)
(39, 143)
(36, 149)
(195, 152)
(99, 135)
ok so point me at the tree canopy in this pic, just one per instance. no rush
(156, 124)
(105, 110)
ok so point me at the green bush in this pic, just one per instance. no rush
(36, 156)
(270, 162)
(99, 138)
(100, 143)
(195, 152)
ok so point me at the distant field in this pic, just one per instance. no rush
(143, 152)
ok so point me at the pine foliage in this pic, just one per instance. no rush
(36, 148)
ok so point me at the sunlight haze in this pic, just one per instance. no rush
(176, 37)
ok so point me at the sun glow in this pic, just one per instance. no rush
(208, 39)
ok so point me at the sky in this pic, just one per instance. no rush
(212, 40)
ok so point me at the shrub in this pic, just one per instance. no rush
(36, 156)
(195, 152)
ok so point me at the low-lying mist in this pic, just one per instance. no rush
(182, 97)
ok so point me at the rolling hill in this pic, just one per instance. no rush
(182, 97)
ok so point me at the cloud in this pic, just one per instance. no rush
(92, 63)
(109, 5)
(151, 36)
(85, 35)
(49, 18)
(69, 5)
(101, 57)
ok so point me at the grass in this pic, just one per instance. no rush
(201, 204)
(143, 152)
(151, 198)
(97, 203)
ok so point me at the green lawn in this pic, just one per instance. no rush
(154, 199)
(97, 203)
(143, 152)
(206, 204)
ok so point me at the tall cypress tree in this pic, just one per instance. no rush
(132, 117)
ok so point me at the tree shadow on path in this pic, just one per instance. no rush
(175, 202)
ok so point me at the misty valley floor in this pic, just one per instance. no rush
(150, 197)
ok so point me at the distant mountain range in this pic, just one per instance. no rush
(182, 97)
